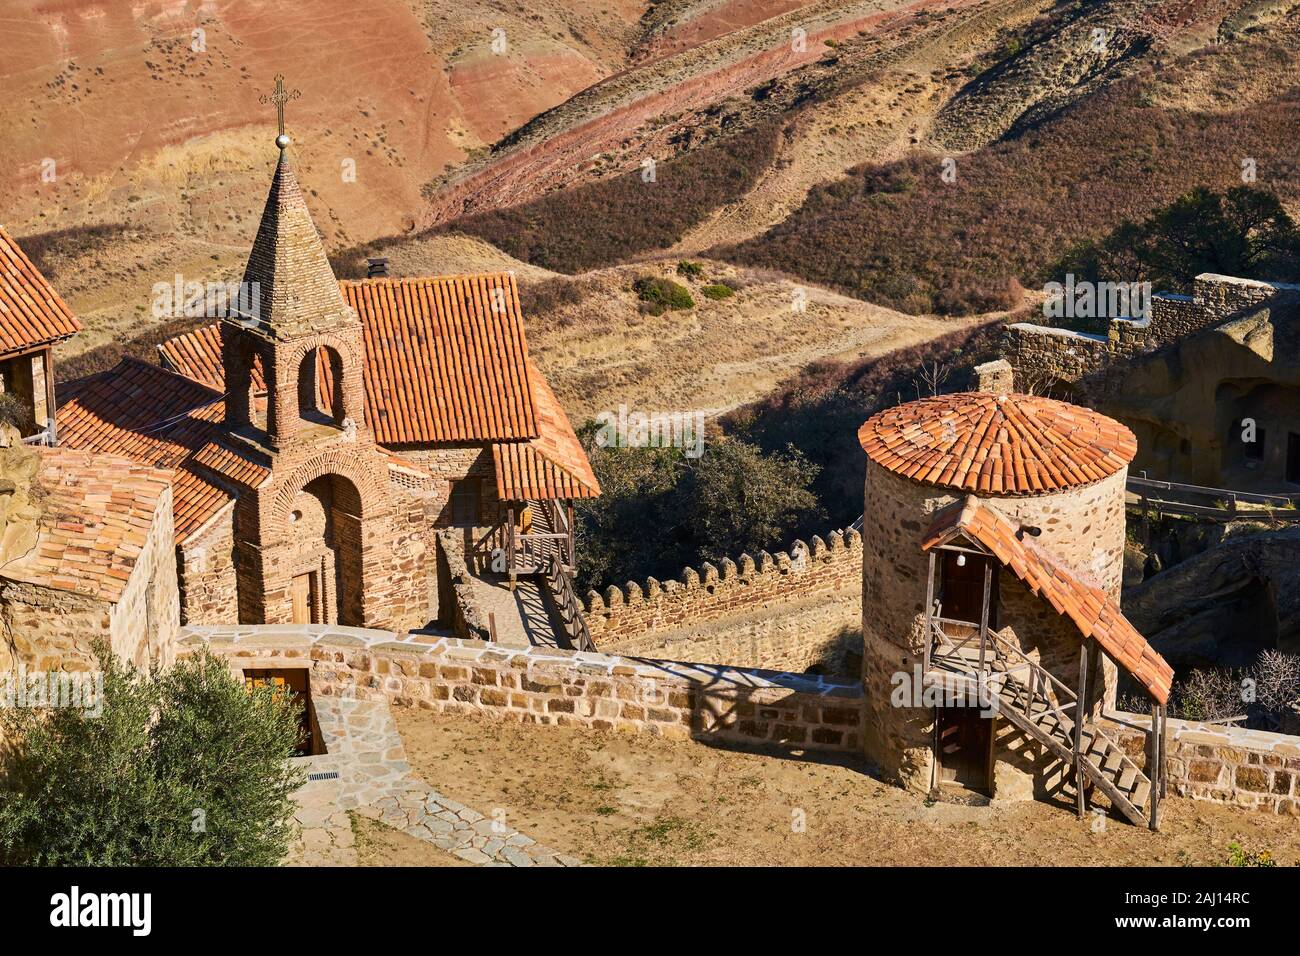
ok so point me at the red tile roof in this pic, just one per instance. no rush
(552, 465)
(997, 444)
(446, 359)
(31, 312)
(1069, 593)
(151, 415)
(98, 510)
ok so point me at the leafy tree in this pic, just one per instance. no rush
(183, 768)
(740, 499)
(1243, 232)
(660, 510)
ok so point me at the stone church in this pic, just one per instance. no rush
(323, 434)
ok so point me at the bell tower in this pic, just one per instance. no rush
(295, 326)
(312, 536)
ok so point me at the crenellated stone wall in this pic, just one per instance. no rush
(543, 685)
(825, 565)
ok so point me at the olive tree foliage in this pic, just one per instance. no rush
(185, 767)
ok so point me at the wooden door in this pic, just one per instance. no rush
(295, 682)
(965, 740)
(303, 592)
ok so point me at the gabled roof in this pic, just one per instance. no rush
(97, 512)
(151, 415)
(1069, 593)
(446, 359)
(31, 312)
(287, 266)
(552, 465)
(997, 444)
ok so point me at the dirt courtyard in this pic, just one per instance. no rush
(620, 800)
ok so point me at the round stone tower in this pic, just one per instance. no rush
(980, 505)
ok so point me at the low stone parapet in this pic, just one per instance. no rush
(1247, 768)
(551, 686)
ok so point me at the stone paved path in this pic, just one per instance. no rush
(523, 617)
(365, 770)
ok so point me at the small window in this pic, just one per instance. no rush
(465, 502)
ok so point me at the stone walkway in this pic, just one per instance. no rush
(365, 770)
(523, 618)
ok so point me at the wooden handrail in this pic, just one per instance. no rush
(571, 609)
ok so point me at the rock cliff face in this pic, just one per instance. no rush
(20, 497)
(1221, 607)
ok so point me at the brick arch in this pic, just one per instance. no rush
(346, 350)
(336, 463)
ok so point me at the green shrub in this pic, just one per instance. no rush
(1238, 855)
(182, 768)
(661, 295)
(718, 291)
(691, 270)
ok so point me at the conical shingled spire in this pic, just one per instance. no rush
(296, 290)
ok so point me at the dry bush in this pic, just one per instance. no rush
(603, 223)
(897, 234)
(819, 410)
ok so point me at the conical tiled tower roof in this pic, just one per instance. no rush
(296, 289)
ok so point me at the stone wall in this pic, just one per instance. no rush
(1092, 363)
(541, 685)
(145, 621)
(458, 607)
(206, 573)
(1232, 765)
(833, 564)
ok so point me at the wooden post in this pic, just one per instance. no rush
(47, 362)
(510, 543)
(1164, 750)
(984, 612)
(573, 549)
(1080, 710)
(929, 621)
(1153, 765)
(492, 627)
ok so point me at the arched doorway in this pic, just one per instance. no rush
(325, 528)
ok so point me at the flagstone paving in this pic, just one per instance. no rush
(365, 770)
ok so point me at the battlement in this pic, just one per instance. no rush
(826, 564)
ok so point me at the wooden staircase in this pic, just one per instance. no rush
(1044, 708)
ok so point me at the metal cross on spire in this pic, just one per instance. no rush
(280, 97)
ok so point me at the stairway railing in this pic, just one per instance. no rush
(566, 599)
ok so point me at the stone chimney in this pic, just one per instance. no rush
(996, 376)
(377, 268)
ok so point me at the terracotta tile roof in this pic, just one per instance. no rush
(552, 465)
(997, 444)
(197, 355)
(155, 416)
(98, 510)
(31, 312)
(1070, 593)
(446, 359)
